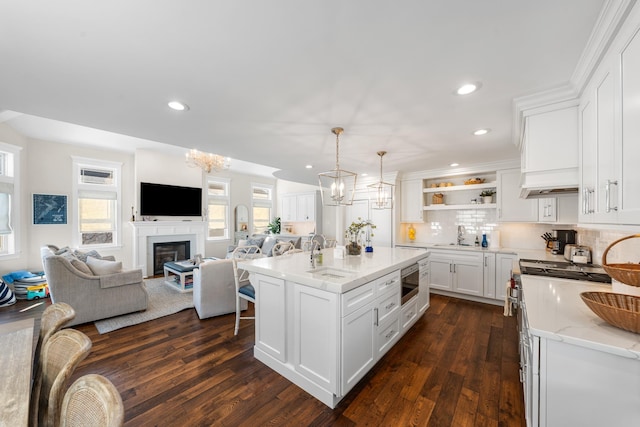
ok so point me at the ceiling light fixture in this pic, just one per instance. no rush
(381, 193)
(309, 166)
(178, 106)
(480, 132)
(467, 88)
(453, 165)
(337, 186)
(206, 161)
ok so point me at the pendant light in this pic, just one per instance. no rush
(337, 186)
(381, 193)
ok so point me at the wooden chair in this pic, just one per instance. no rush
(281, 248)
(316, 241)
(92, 400)
(244, 289)
(330, 243)
(53, 319)
(60, 355)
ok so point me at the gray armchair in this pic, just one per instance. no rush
(92, 297)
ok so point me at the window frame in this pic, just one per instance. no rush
(80, 163)
(10, 243)
(261, 203)
(224, 200)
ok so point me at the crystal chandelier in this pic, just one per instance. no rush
(206, 161)
(381, 193)
(337, 186)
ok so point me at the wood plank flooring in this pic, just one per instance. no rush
(458, 366)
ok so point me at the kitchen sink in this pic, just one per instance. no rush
(331, 273)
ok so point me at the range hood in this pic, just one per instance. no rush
(549, 183)
(539, 193)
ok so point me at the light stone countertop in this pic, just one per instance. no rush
(335, 274)
(555, 311)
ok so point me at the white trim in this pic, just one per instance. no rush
(218, 200)
(13, 176)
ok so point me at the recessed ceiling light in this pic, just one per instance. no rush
(453, 165)
(178, 106)
(309, 166)
(468, 88)
(364, 174)
(481, 132)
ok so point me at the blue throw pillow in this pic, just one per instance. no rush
(255, 241)
(268, 245)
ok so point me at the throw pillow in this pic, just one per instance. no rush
(268, 245)
(64, 250)
(242, 242)
(255, 241)
(81, 266)
(82, 256)
(100, 267)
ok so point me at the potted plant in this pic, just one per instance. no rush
(487, 195)
(274, 226)
(354, 233)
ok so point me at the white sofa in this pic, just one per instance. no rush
(214, 289)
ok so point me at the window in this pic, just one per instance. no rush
(218, 208)
(97, 191)
(262, 203)
(9, 195)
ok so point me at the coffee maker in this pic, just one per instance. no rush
(562, 238)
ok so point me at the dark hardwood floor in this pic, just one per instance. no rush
(458, 366)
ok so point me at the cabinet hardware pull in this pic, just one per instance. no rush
(390, 305)
(376, 313)
(390, 334)
(607, 196)
(592, 193)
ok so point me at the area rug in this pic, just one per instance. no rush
(163, 301)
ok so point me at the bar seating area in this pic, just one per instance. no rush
(36, 391)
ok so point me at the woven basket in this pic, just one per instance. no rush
(437, 199)
(619, 310)
(627, 273)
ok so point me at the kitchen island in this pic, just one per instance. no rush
(324, 326)
(576, 368)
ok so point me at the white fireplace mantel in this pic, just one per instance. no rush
(145, 233)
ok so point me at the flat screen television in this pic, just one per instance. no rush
(169, 200)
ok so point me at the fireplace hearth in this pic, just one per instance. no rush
(168, 252)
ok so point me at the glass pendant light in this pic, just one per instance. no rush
(381, 193)
(337, 186)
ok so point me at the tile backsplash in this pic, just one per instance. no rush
(598, 240)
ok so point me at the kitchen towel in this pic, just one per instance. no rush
(494, 239)
(508, 311)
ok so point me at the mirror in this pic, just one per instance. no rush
(242, 218)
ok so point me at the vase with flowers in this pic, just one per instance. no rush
(354, 234)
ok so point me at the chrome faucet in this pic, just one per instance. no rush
(314, 245)
(461, 232)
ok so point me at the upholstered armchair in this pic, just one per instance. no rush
(94, 294)
(214, 289)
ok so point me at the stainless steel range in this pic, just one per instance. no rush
(564, 270)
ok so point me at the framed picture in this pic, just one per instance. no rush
(49, 209)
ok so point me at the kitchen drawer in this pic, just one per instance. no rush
(409, 313)
(388, 282)
(358, 297)
(387, 305)
(388, 333)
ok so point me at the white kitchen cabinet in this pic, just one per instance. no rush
(315, 348)
(423, 285)
(489, 290)
(511, 208)
(457, 271)
(412, 200)
(270, 336)
(301, 207)
(547, 210)
(558, 210)
(504, 270)
(358, 346)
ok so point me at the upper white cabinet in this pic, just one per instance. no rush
(510, 207)
(558, 210)
(301, 207)
(549, 147)
(610, 131)
(411, 200)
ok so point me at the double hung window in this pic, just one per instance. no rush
(218, 208)
(9, 199)
(262, 204)
(97, 191)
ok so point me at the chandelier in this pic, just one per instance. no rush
(206, 161)
(337, 186)
(381, 193)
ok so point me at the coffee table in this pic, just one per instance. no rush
(179, 275)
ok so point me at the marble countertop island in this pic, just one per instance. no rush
(555, 311)
(337, 275)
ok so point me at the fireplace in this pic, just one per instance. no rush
(169, 251)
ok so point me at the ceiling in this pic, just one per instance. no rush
(266, 80)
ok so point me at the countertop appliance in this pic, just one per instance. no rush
(410, 277)
(577, 254)
(562, 238)
(564, 270)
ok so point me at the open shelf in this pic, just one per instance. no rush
(460, 187)
(443, 207)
